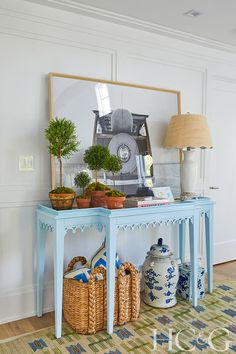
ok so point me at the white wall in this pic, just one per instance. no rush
(35, 40)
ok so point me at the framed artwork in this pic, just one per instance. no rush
(129, 119)
(163, 193)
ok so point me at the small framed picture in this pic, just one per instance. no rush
(163, 193)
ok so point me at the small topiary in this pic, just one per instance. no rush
(115, 193)
(81, 180)
(97, 186)
(95, 156)
(113, 164)
(62, 190)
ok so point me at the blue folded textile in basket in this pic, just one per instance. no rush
(99, 259)
(81, 274)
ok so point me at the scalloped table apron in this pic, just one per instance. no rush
(59, 222)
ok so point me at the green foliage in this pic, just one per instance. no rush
(97, 186)
(62, 190)
(63, 142)
(115, 193)
(95, 156)
(113, 164)
(82, 196)
(61, 135)
(81, 180)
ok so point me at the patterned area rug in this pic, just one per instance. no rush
(209, 328)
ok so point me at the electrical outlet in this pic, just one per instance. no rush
(26, 163)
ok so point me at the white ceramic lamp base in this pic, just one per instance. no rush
(188, 173)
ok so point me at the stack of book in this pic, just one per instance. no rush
(141, 202)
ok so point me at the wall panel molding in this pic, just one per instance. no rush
(221, 78)
(14, 31)
(167, 62)
(22, 204)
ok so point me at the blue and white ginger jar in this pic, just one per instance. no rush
(160, 276)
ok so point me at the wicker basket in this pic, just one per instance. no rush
(85, 304)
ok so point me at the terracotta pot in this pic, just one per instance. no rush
(98, 199)
(115, 202)
(62, 201)
(83, 202)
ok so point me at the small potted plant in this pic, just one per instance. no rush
(114, 198)
(81, 181)
(63, 142)
(97, 191)
(95, 157)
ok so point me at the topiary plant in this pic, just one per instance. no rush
(113, 164)
(81, 180)
(95, 156)
(63, 142)
(97, 186)
(114, 199)
(115, 193)
(62, 190)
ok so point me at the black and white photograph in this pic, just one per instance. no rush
(128, 119)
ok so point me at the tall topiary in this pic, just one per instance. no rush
(113, 164)
(95, 156)
(63, 141)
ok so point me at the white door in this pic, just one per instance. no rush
(221, 166)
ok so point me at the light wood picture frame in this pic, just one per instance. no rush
(130, 119)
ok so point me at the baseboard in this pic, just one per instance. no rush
(20, 303)
(224, 251)
(22, 316)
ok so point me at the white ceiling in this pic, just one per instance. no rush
(216, 24)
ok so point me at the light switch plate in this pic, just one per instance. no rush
(26, 163)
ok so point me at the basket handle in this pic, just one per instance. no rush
(126, 266)
(135, 289)
(74, 260)
(92, 297)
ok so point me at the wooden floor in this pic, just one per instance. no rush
(222, 272)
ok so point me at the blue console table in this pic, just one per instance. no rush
(59, 222)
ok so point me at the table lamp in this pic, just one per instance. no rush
(188, 132)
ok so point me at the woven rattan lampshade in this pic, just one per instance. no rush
(188, 130)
